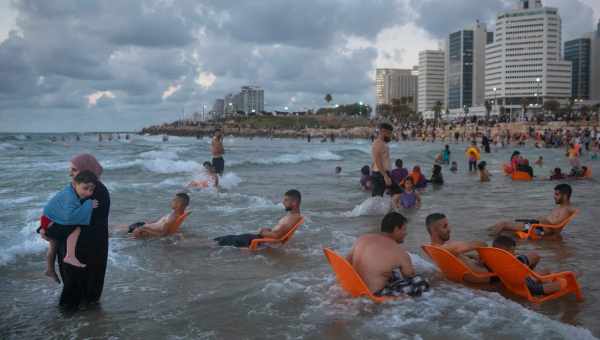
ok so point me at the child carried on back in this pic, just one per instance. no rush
(63, 216)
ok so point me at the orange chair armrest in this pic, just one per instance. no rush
(255, 243)
(522, 234)
(556, 275)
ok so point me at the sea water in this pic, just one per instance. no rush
(185, 287)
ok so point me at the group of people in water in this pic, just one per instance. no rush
(384, 266)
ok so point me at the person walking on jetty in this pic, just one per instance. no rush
(217, 150)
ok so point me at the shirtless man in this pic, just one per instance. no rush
(217, 150)
(291, 202)
(383, 264)
(562, 197)
(162, 226)
(439, 231)
(380, 152)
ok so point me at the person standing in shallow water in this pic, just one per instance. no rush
(85, 285)
(380, 153)
(218, 151)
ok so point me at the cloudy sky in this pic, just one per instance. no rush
(72, 65)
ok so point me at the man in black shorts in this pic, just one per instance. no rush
(291, 202)
(380, 153)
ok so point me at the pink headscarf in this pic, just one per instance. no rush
(85, 161)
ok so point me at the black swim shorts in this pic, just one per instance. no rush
(240, 241)
(379, 186)
(536, 288)
(219, 164)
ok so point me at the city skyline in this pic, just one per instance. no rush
(64, 62)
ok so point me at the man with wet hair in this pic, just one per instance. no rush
(382, 262)
(439, 231)
(380, 153)
(562, 197)
(291, 202)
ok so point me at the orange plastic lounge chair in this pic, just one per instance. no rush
(513, 273)
(532, 235)
(256, 242)
(521, 176)
(178, 222)
(452, 267)
(349, 279)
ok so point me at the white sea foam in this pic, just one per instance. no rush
(167, 166)
(7, 146)
(293, 158)
(12, 202)
(372, 206)
(229, 180)
(27, 241)
(159, 154)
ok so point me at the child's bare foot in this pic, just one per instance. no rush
(52, 275)
(73, 261)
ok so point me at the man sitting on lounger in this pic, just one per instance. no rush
(383, 264)
(162, 226)
(439, 231)
(291, 202)
(536, 287)
(562, 197)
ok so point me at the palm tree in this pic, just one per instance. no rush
(328, 98)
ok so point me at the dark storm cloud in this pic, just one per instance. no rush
(440, 17)
(66, 50)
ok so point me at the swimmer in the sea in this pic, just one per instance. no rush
(539, 161)
(164, 225)
(454, 166)
(212, 181)
(338, 170)
(409, 198)
(291, 203)
(562, 197)
(439, 231)
(383, 263)
(531, 259)
(484, 174)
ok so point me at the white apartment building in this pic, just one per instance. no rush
(431, 80)
(391, 83)
(524, 61)
(252, 99)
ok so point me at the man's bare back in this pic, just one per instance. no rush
(374, 256)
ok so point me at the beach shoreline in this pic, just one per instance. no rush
(243, 129)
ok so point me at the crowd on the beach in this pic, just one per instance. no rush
(75, 220)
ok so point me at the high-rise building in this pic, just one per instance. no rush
(523, 64)
(579, 52)
(400, 84)
(252, 99)
(431, 79)
(584, 53)
(595, 65)
(465, 61)
(219, 106)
